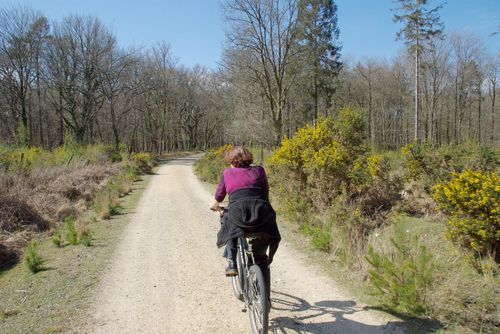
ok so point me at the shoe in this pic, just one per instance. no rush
(231, 269)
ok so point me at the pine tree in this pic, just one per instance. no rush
(318, 39)
(421, 25)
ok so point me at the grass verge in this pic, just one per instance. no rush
(56, 299)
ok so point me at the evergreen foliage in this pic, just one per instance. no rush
(71, 235)
(32, 259)
(420, 23)
(317, 42)
(403, 277)
(57, 238)
(85, 236)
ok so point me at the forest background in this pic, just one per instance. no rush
(397, 159)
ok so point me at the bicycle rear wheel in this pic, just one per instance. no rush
(257, 301)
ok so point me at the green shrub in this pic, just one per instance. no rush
(209, 168)
(318, 231)
(350, 229)
(324, 180)
(106, 201)
(473, 201)
(322, 238)
(57, 238)
(32, 259)
(71, 235)
(143, 161)
(115, 207)
(85, 236)
(24, 159)
(428, 164)
(459, 294)
(374, 187)
(318, 158)
(402, 279)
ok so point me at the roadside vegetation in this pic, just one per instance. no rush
(50, 192)
(417, 228)
(55, 206)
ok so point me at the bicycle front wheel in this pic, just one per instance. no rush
(238, 280)
(257, 301)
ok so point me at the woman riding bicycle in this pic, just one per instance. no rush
(249, 212)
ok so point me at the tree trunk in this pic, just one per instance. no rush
(416, 93)
(493, 96)
(114, 126)
(479, 114)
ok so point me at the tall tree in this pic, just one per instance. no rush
(420, 26)
(318, 38)
(260, 40)
(493, 77)
(19, 37)
(40, 32)
(117, 65)
(367, 72)
(436, 66)
(77, 58)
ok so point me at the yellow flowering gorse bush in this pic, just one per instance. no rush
(472, 198)
(323, 161)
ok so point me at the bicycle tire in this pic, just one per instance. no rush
(238, 281)
(257, 301)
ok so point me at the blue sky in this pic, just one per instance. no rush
(195, 28)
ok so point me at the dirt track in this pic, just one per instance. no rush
(167, 275)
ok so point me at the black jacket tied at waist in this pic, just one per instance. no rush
(249, 213)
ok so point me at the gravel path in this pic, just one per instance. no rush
(168, 276)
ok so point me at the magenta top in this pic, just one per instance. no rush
(241, 177)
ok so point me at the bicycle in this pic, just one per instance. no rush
(249, 285)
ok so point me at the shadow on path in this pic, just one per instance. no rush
(326, 317)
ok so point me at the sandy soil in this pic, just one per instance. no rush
(168, 276)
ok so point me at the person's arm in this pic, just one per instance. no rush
(220, 192)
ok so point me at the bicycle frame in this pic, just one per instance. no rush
(249, 285)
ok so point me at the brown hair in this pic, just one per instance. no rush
(239, 156)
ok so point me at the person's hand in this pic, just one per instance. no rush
(215, 207)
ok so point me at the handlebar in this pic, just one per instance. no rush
(219, 209)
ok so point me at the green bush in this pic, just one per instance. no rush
(106, 200)
(459, 294)
(472, 199)
(85, 236)
(209, 168)
(324, 179)
(143, 161)
(57, 238)
(318, 158)
(71, 235)
(32, 259)
(429, 164)
(24, 159)
(319, 232)
(374, 187)
(402, 278)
